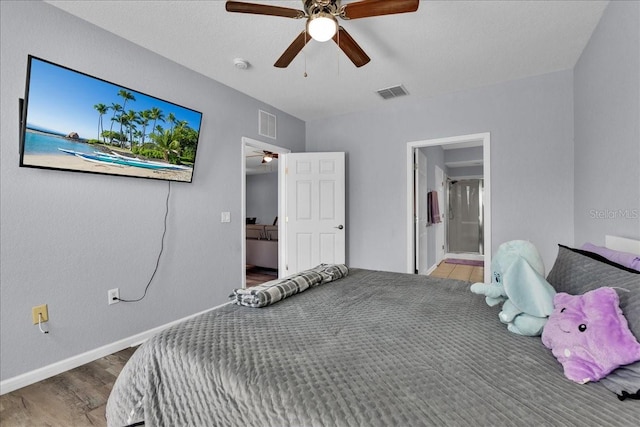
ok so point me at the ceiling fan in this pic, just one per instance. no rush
(267, 156)
(322, 24)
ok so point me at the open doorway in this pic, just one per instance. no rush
(261, 208)
(460, 159)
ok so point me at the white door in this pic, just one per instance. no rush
(421, 190)
(315, 210)
(439, 227)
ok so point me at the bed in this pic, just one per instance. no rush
(373, 348)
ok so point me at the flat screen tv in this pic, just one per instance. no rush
(75, 122)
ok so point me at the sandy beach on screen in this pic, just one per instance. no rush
(76, 163)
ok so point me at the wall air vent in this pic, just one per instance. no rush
(266, 124)
(392, 92)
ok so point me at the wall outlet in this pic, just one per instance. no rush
(225, 217)
(114, 294)
(40, 310)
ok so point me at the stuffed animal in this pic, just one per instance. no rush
(589, 335)
(518, 282)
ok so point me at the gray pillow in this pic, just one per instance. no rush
(576, 272)
(624, 381)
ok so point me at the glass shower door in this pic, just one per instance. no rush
(464, 225)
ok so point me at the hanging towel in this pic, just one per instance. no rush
(429, 208)
(434, 208)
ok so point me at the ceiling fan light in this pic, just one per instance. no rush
(322, 26)
(267, 158)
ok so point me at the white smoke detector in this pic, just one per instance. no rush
(241, 64)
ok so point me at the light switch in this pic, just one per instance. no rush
(225, 217)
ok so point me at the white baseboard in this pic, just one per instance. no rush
(48, 371)
(431, 269)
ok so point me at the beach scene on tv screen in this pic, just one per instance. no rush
(81, 123)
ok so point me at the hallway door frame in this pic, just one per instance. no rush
(253, 143)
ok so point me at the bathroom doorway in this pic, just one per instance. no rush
(461, 158)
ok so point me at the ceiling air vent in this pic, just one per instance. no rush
(392, 92)
(266, 124)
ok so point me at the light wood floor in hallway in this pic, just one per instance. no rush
(468, 273)
(76, 398)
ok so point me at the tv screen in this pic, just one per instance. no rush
(76, 122)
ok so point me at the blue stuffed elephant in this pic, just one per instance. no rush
(518, 283)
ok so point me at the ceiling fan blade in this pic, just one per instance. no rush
(293, 49)
(263, 9)
(351, 48)
(368, 8)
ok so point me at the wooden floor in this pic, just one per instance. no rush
(257, 275)
(467, 273)
(75, 398)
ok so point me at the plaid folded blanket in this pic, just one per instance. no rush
(276, 290)
(334, 271)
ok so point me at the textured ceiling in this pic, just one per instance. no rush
(445, 46)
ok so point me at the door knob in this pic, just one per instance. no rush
(340, 227)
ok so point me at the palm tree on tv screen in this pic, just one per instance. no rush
(144, 117)
(116, 108)
(156, 114)
(131, 121)
(102, 110)
(166, 143)
(176, 144)
(171, 118)
(126, 96)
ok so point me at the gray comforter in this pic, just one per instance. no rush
(371, 349)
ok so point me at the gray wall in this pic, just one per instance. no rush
(464, 155)
(69, 237)
(607, 132)
(465, 171)
(531, 125)
(262, 197)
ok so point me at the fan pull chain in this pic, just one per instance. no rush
(338, 51)
(304, 54)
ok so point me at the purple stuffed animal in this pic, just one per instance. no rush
(589, 335)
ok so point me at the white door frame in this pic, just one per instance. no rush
(420, 222)
(243, 195)
(485, 139)
(440, 227)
